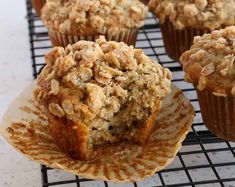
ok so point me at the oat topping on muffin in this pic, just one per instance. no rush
(97, 78)
(110, 88)
(200, 14)
(88, 17)
(210, 63)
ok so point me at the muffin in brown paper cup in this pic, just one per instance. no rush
(178, 41)
(218, 113)
(181, 20)
(71, 21)
(209, 66)
(59, 39)
(37, 5)
(25, 127)
(76, 76)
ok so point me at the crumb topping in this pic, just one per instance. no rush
(101, 83)
(89, 17)
(210, 63)
(199, 14)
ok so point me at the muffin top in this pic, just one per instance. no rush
(95, 80)
(92, 17)
(210, 63)
(198, 14)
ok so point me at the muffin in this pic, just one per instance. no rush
(37, 5)
(181, 20)
(74, 20)
(99, 93)
(210, 67)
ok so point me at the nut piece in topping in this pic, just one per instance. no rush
(56, 110)
(54, 87)
(208, 69)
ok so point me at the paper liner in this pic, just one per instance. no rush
(218, 114)
(178, 41)
(59, 39)
(25, 127)
(37, 5)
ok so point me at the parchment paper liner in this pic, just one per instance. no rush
(25, 128)
(218, 114)
(59, 39)
(178, 41)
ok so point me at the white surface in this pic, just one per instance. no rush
(15, 169)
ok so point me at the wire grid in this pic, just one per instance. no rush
(204, 159)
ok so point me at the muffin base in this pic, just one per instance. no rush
(218, 114)
(59, 39)
(37, 5)
(178, 41)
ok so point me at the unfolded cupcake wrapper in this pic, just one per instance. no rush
(59, 39)
(37, 5)
(218, 114)
(178, 41)
(25, 127)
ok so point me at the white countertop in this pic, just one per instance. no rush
(16, 73)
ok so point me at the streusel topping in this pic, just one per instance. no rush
(199, 14)
(89, 17)
(95, 81)
(210, 63)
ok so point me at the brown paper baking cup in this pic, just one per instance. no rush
(25, 127)
(37, 5)
(59, 39)
(178, 41)
(218, 114)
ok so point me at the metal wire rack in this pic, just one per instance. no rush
(204, 159)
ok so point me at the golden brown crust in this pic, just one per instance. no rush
(149, 124)
(89, 18)
(210, 63)
(197, 14)
(70, 137)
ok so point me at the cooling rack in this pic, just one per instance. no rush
(204, 159)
